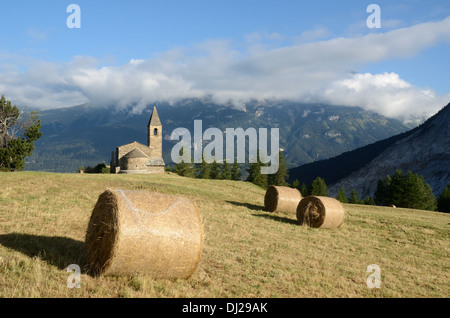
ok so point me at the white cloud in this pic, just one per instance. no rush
(315, 71)
(386, 94)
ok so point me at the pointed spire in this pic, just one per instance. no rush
(154, 119)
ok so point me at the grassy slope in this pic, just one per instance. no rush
(246, 253)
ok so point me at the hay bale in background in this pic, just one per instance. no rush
(141, 232)
(282, 199)
(320, 212)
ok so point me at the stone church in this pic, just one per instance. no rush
(138, 158)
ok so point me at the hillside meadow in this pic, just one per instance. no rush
(247, 252)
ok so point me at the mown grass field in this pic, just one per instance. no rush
(247, 252)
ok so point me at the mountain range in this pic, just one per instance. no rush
(86, 135)
(424, 150)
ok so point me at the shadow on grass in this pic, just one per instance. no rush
(277, 218)
(55, 250)
(247, 205)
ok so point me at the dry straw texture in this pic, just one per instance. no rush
(320, 212)
(141, 232)
(282, 199)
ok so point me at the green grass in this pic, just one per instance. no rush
(247, 252)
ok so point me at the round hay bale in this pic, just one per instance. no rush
(282, 199)
(320, 212)
(140, 232)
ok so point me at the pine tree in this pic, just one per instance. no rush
(425, 198)
(262, 181)
(318, 188)
(444, 200)
(226, 172)
(354, 198)
(235, 172)
(382, 191)
(304, 190)
(411, 191)
(342, 196)
(255, 176)
(295, 184)
(184, 169)
(215, 170)
(204, 170)
(368, 201)
(396, 193)
(280, 177)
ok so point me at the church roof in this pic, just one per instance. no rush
(154, 119)
(136, 144)
(135, 153)
(156, 162)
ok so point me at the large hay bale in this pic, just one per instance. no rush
(282, 199)
(320, 212)
(141, 232)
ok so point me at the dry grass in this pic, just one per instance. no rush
(247, 252)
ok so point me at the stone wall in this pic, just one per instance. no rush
(123, 150)
(155, 141)
(155, 169)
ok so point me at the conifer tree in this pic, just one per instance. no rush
(444, 200)
(395, 193)
(295, 184)
(204, 170)
(342, 196)
(215, 171)
(318, 187)
(235, 172)
(184, 169)
(304, 190)
(279, 178)
(382, 191)
(368, 201)
(255, 176)
(226, 172)
(354, 198)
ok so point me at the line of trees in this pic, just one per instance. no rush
(206, 170)
(319, 188)
(402, 190)
(405, 190)
(227, 171)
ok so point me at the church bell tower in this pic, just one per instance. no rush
(154, 134)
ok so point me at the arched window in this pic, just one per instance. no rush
(155, 132)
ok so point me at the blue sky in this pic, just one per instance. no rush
(232, 50)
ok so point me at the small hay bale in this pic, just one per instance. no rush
(141, 232)
(282, 199)
(320, 212)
